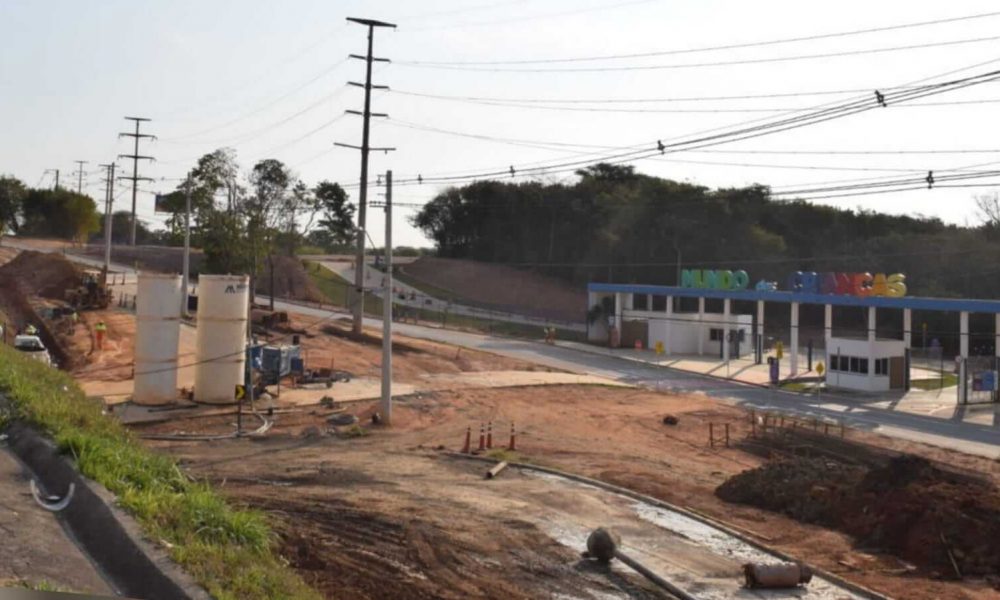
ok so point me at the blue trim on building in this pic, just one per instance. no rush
(940, 304)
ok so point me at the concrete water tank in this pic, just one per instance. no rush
(158, 327)
(221, 338)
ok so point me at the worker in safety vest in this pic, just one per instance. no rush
(100, 330)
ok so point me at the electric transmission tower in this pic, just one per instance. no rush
(79, 175)
(135, 179)
(366, 115)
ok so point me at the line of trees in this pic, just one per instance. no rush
(617, 225)
(58, 213)
(242, 221)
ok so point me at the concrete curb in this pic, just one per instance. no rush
(111, 538)
(856, 588)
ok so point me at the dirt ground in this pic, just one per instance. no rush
(329, 343)
(325, 491)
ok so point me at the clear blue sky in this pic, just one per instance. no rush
(268, 79)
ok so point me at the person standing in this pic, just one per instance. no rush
(100, 331)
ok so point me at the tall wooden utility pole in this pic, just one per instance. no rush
(109, 201)
(359, 267)
(79, 175)
(135, 179)
(386, 407)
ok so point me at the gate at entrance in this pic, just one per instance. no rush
(978, 380)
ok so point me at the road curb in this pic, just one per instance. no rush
(854, 587)
(111, 538)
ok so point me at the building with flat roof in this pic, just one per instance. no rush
(650, 314)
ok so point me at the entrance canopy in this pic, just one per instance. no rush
(913, 303)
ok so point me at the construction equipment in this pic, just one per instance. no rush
(276, 362)
(93, 294)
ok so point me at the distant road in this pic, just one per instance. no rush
(971, 438)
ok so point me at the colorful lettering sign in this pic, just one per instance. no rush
(861, 285)
(714, 280)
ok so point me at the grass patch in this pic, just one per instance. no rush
(229, 551)
(796, 386)
(946, 380)
(503, 454)
(336, 289)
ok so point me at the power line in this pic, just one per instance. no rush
(575, 107)
(528, 17)
(714, 48)
(559, 145)
(326, 71)
(721, 63)
(693, 141)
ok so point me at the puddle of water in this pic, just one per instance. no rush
(701, 534)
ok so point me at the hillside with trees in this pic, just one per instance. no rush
(617, 225)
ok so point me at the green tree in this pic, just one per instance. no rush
(59, 213)
(337, 222)
(12, 195)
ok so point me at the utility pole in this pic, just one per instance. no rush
(135, 179)
(56, 171)
(359, 269)
(109, 200)
(79, 175)
(187, 248)
(386, 408)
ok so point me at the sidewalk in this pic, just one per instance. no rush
(938, 404)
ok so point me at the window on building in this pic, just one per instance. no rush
(844, 364)
(715, 334)
(659, 303)
(863, 366)
(640, 302)
(854, 364)
(881, 366)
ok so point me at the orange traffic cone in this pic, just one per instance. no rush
(468, 440)
(489, 435)
(512, 436)
(482, 438)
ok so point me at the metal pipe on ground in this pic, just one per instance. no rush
(602, 544)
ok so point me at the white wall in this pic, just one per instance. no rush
(684, 330)
(860, 348)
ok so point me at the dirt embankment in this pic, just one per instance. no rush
(947, 524)
(31, 282)
(501, 287)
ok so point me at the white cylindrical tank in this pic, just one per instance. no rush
(158, 328)
(222, 331)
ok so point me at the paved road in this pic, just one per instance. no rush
(871, 414)
(35, 548)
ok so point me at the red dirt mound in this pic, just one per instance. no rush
(936, 519)
(40, 274)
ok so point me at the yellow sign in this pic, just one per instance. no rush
(659, 347)
(779, 350)
(241, 391)
(820, 368)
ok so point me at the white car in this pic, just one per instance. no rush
(33, 346)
